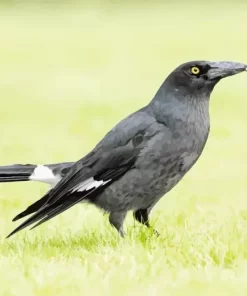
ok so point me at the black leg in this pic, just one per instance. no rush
(142, 215)
(116, 219)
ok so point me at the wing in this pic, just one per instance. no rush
(92, 174)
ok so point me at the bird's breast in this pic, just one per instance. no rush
(161, 164)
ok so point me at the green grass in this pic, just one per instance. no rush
(67, 75)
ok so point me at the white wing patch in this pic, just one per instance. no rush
(44, 174)
(89, 184)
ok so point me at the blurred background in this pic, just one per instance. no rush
(70, 70)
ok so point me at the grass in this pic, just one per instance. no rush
(67, 75)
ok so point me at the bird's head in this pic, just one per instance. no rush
(189, 85)
(202, 76)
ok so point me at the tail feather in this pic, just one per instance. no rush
(16, 172)
(50, 174)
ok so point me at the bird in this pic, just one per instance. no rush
(144, 156)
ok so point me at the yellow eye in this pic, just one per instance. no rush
(195, 70)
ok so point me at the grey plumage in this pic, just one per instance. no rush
(146, 154)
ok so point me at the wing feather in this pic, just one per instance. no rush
(107, 162)
(63, 198)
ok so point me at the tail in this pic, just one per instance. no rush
(50, 174)
(16, 172)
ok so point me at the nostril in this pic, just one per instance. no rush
(205, 77)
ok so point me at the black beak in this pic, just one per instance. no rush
(220, 70)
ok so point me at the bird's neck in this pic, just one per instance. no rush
(172, 109)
